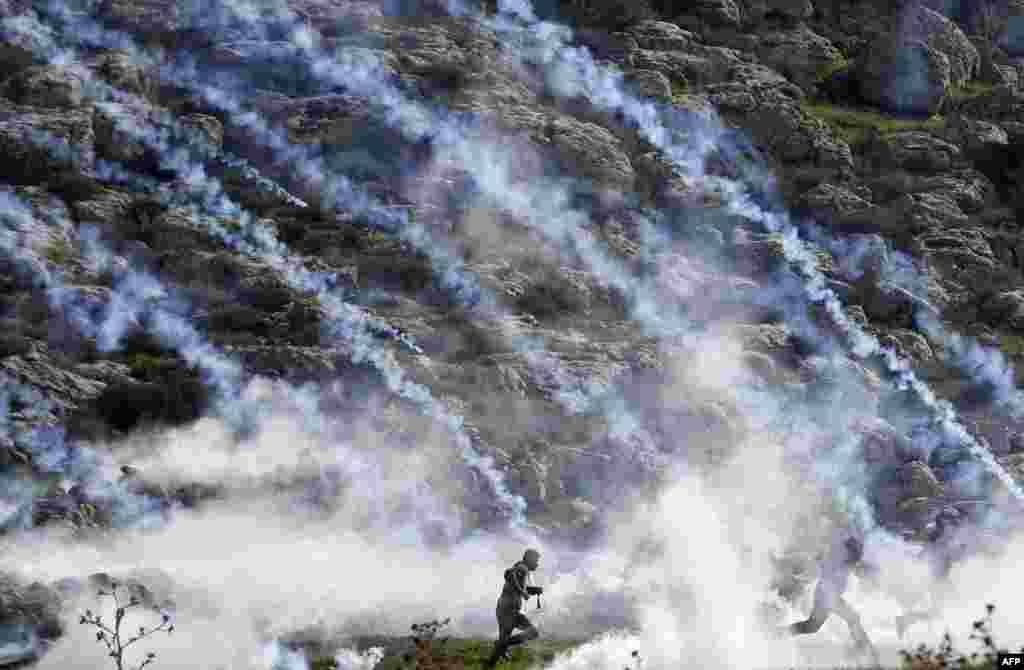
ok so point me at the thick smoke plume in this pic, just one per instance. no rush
(682, 573)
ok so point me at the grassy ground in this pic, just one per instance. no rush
(433, 651)
(852, 124)
(469, 654)
(971, 89)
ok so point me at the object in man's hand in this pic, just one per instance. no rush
(534, 590)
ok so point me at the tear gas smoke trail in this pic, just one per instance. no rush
(367, 78)
(575, 395)
(578, 74)
(571, 393)
(134, 298)
(349, 323)
(83, 464)
(609, 95)
(865, 345)
(608, 89)
(414, 118)
(987, 367)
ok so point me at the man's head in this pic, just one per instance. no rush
(854, 549)
(531, 558)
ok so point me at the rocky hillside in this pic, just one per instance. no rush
(452, 218)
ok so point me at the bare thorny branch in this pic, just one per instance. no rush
(114, 639)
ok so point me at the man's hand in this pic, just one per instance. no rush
(534, 590)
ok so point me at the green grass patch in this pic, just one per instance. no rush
(971, 89)
(1012, 345)
(679, 90)
(826, 70)
(472, 653)
(375, 237)
(58, 251)
(143, 365)
(853, 125)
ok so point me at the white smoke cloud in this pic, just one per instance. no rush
(691, 602)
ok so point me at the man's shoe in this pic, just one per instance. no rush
(496, 657)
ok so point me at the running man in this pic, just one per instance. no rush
(514, 593)
(836, 565)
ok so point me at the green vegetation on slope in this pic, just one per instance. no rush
(58, 251)
(971, 89)
(826, 70)
(679, 90)
(1012, 345)
(853, 124)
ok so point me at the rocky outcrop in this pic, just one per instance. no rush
(594, 151)
(775, 118)
(45, 145)
(917, 224)
(906, 77)
(800, 54)
(30, 616)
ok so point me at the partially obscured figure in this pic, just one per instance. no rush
(941, 551)
(845, 554)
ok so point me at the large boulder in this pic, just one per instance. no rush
(1002, 105)
(911, 68)
(660, 36)
(963, 255)
(789, 11)
(905, 76)
(703, 14)
(124, 132)
(33, 608)
(982, 141)
(1005, 310)
(915, 151)
(65, 390)
(592, 151)
(800, 54)
(775, 118)
(331, 119)
(331, 17)
(24, 40)
(939, 33)
(969, 189)
(923, 212)
(125, 73)
(649, 84)
(832, 203)
(47, 86)
(45, 145)
(705, 65)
